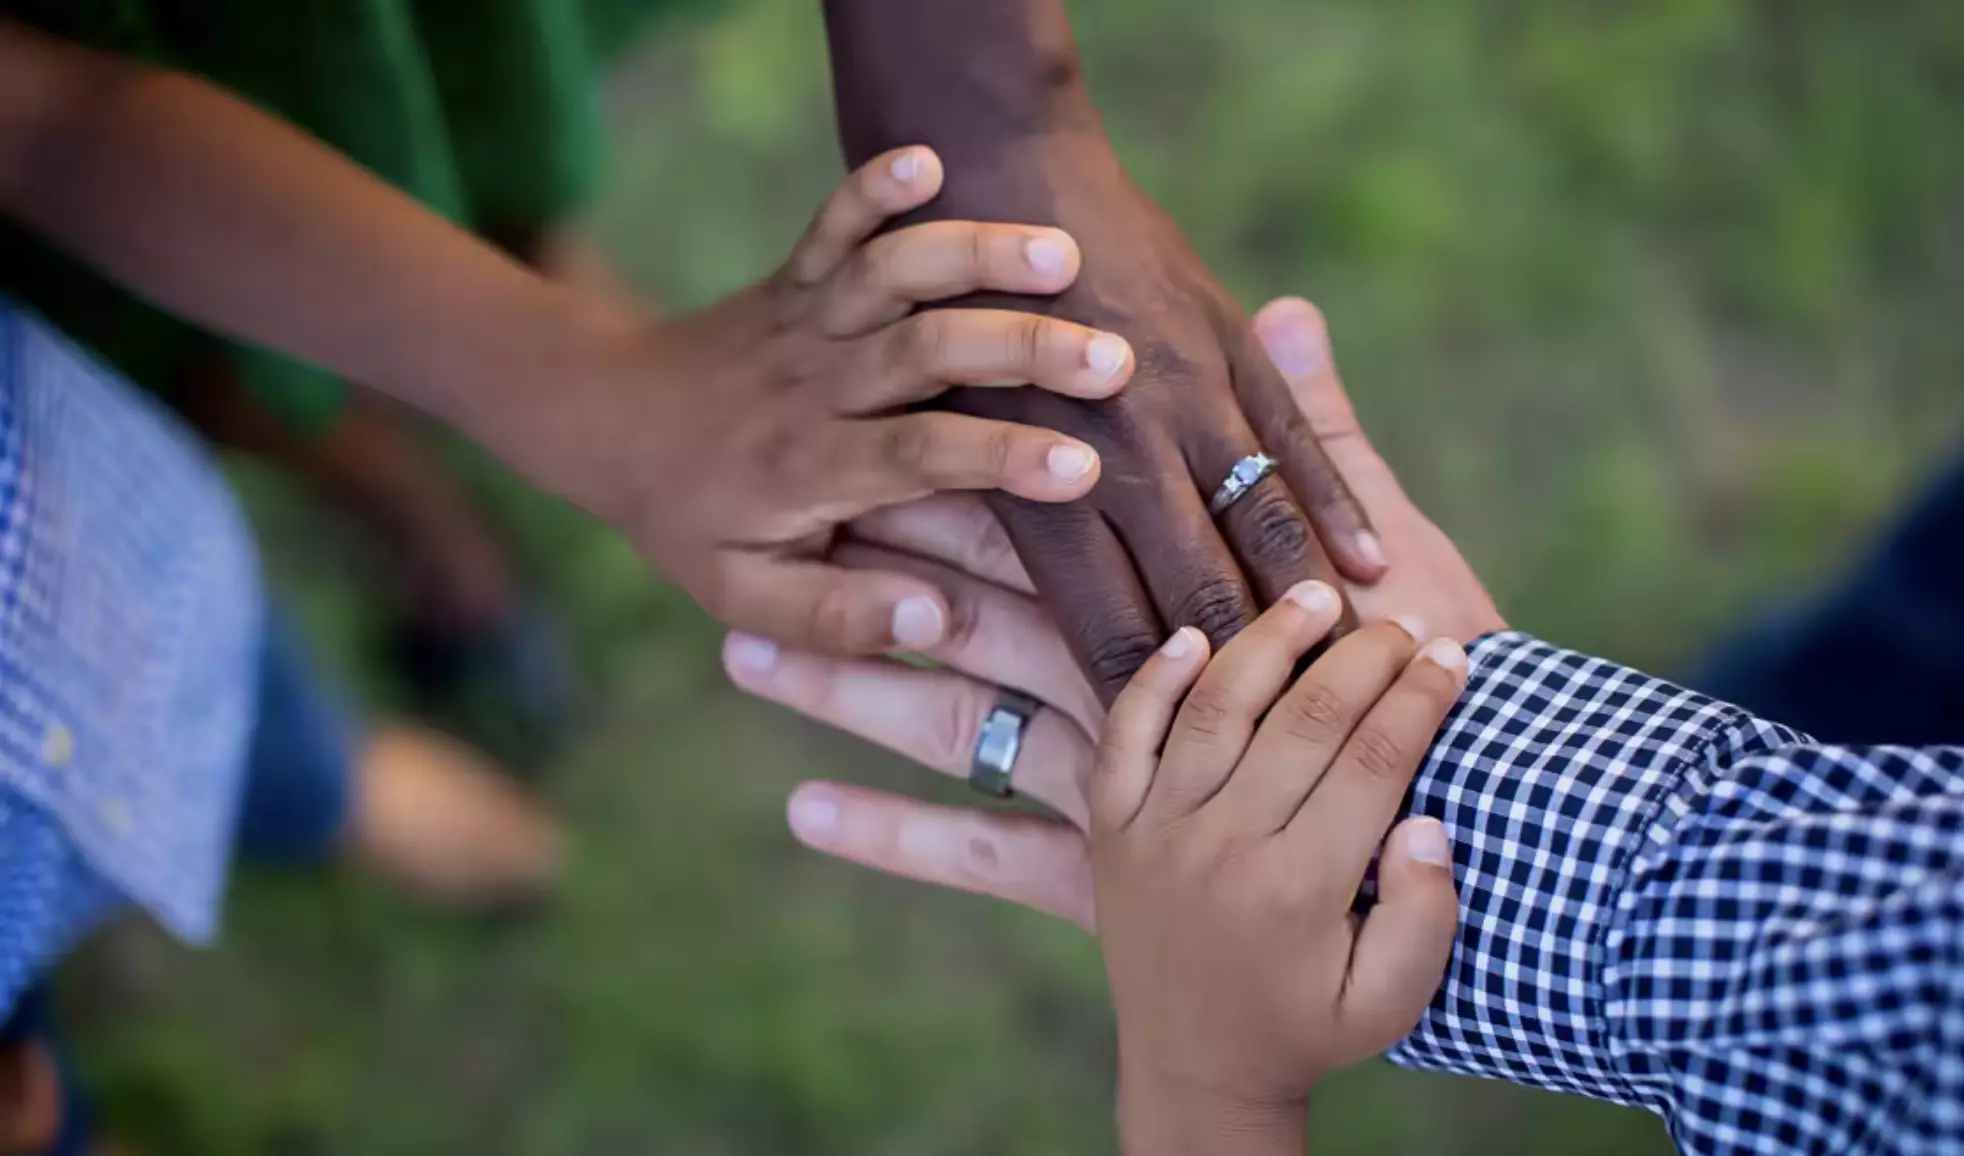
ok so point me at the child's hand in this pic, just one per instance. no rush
(1227, 856)
(783, 412)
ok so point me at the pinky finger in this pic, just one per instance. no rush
(1128, 755)
(1406, 941)
(890, 184)
(1033, 861)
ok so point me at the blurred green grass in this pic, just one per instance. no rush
(1652, 304)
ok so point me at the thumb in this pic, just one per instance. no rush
(1297, 339)
(1405, 941)
(825, 608)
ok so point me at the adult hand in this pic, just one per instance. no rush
(1002, 636)
(1143, 555)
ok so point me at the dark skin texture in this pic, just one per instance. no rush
(995, 87)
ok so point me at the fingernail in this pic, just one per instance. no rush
(1069, 463)
(1445, 654)
(918, 622)
(814, 815)
(1426, 841)
(1046, 254)
(1106, 354)
(1293, 349)
(1315, 597)
(1369, 550)
(1180, 645)
(906, 167)
(1411, 624)
(752, 655)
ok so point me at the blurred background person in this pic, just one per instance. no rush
(484, 112)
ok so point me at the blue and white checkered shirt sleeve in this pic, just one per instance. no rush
(1669, 903)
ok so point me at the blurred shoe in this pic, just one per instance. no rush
(440, 819)
(508, 688)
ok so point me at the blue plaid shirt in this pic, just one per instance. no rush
(1669, 903)
(129, 626)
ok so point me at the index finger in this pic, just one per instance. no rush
(889, 184)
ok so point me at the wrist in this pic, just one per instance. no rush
(540, 388)
(962, 77)
(1164, 1117)
(1028, 180)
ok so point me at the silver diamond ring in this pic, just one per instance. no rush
(999, 742)
(1240, 480)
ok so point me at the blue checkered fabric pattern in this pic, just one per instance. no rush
(129, 629)
(1669, 903)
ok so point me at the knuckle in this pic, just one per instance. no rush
(1218, 606)
(1378, 753)
(977, 255)
(1026, 341)
(830, 620)
(911, 445)
(1206, 712)
(884, 265)
(1114, 658)
(999, 449)
(1313, 713)
(952, 731)
(1273, 529)
(966, 616)
(921, 344)
(1112, 753)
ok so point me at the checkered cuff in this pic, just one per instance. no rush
(1669, 903)
(1549, 775)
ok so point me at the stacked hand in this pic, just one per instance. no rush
(729, 445)
(1142, 554)
(1228, 851)
(1002, 636)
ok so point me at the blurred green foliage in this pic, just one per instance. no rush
(1652, 303)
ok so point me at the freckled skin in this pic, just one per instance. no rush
(995, 88)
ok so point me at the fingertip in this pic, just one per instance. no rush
(1287, 309)
(914, 175)
(1110, 362)
(1073, 467)
(1413, 626)
(1178, 661)
(1446, 654)
(1188, 651)
(812, 812)
(1291, 330)
(1053, 256)
(920, 621)
(1184, 645)
(1318, 600)
(1360, 555)
(749, 660)
(1423, 841)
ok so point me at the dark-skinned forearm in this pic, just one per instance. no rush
(984, 82)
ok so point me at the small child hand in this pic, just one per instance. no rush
(1227, 856)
